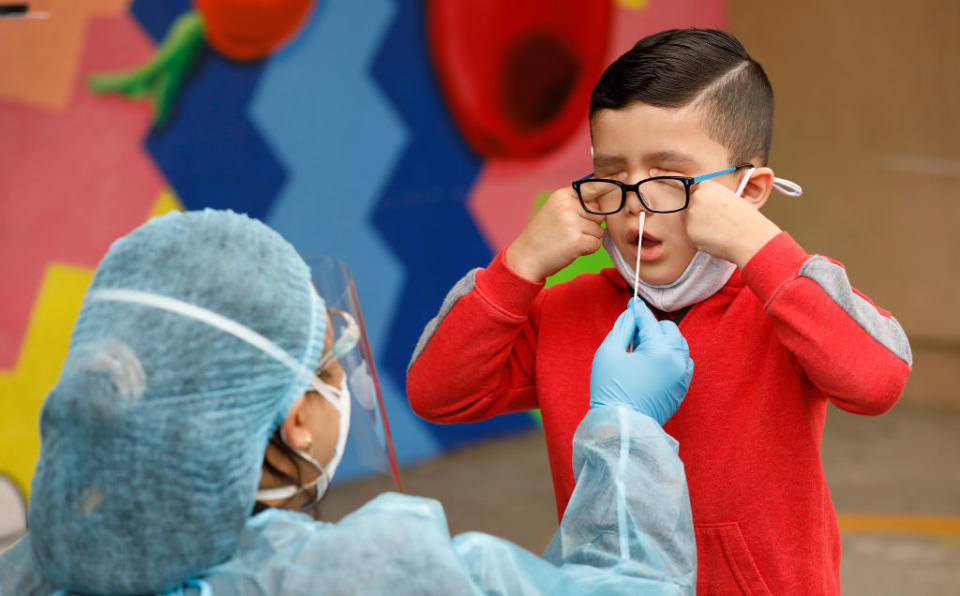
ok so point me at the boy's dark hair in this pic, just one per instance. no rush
(711, 68)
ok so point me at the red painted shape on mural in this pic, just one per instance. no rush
(71, 182)
(517, 76)
(503, 195)
(251, 29)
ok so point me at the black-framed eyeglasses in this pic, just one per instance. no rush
(661, 194)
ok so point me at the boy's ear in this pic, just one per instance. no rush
(295, 428)
(758, 188)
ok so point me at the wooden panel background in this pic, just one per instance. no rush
(868, 121)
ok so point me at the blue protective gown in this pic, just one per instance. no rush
(627, 530)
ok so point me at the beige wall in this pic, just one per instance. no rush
(868, 121)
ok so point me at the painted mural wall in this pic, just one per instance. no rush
(410, 139)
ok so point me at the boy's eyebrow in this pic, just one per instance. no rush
(600, 161)
(673, 158)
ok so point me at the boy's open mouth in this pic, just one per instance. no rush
(648, 241)
(651, 247)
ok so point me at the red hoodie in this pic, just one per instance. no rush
(783, 337)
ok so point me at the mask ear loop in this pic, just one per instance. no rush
(787, 187)
(287, 492)
(783, 186)
(322, 482)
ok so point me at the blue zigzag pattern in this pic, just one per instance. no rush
(339, 139)
(209, 151)
(422, 212)
(384, 190)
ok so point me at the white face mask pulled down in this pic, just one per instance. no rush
(703, 276)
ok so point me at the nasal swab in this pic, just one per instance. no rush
(636, 278)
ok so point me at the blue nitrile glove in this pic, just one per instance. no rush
(654, 377)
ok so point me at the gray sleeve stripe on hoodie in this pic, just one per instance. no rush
(458, 291)
(833, 279)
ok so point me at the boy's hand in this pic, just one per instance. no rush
(557, 234)
(725, 225)
(652, 379)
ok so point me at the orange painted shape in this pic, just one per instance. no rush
(251, 29)
(39, 57)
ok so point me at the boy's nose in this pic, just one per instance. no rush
(634, 206)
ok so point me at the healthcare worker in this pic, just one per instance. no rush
(211, 374)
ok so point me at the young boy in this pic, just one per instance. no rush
(775, 333)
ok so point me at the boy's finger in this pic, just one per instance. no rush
(593, 193)
(592, 228)
(591, 200)
(587, 244)
(708, 190)
(593, 217)
(647, 327)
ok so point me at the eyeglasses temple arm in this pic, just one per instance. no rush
(721, 172)
(713, 175)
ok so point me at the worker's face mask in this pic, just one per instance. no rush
(340, 398)
(346, 334)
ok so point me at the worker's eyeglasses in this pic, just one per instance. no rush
(660, 194)
(346, 335)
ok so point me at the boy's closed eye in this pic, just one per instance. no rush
(611, 174)
(661, 172)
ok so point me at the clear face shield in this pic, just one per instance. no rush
(345, 376)
(369, 447)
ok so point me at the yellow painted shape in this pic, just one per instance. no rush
(900, 524)
(637, 5)
(166, 202)
(23, 389)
